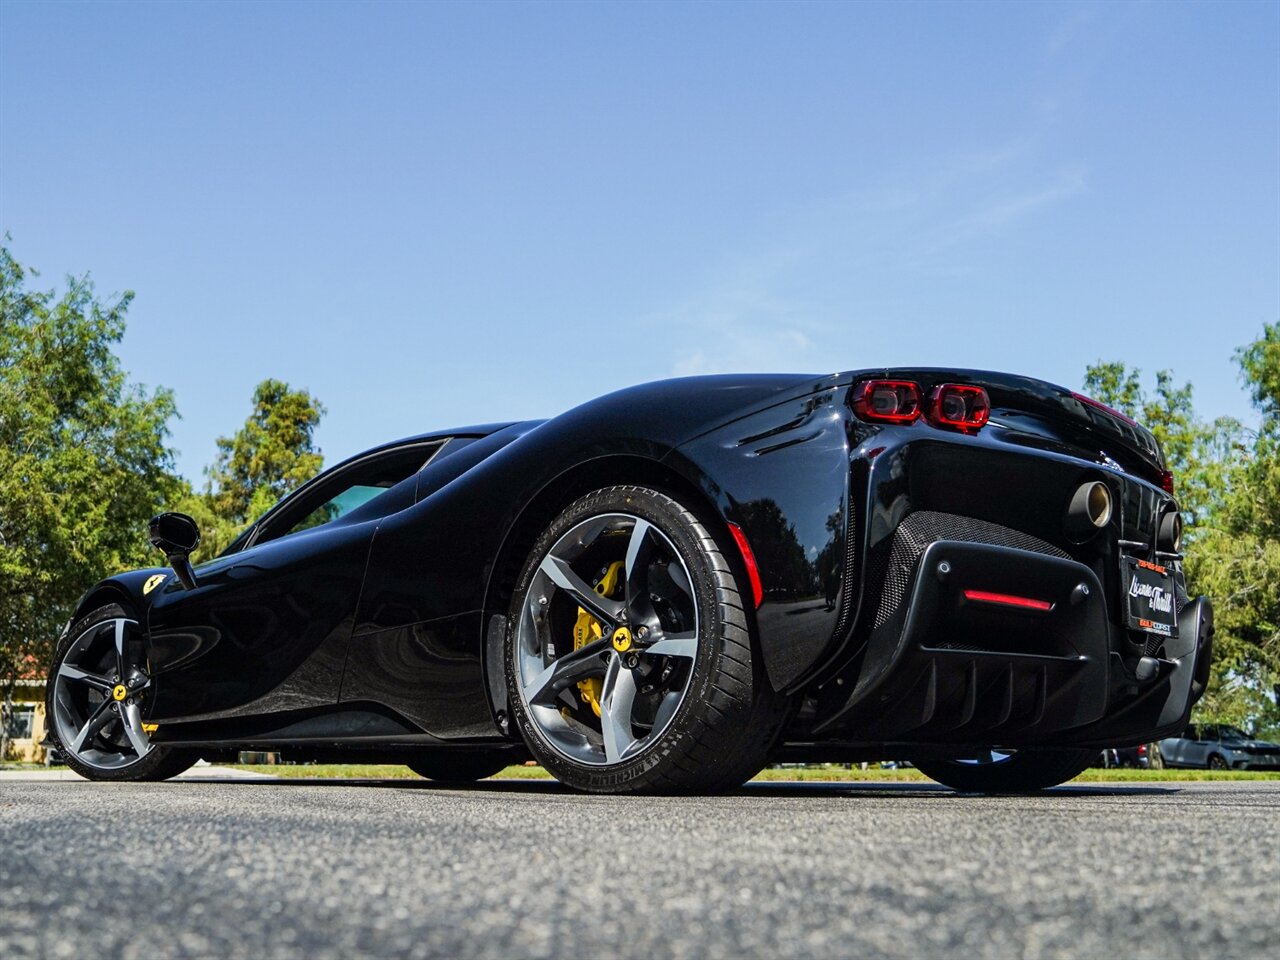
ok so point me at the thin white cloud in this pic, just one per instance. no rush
(773, 310)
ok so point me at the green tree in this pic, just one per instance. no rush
(272, 454)
(1238, 562)
(84, 458)
(1228, 482)
(1197, 451)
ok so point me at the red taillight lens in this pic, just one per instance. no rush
(1166, 481)
(960, 406)
(1142, 749)
(887, 401)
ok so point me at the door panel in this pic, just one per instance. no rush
(267, 627)
(429, 673)
(265, 630)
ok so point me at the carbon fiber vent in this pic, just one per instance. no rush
(918, 530)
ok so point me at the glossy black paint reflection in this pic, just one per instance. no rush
(782, 475)
(434, 560)
(266, 629)
(429, 673)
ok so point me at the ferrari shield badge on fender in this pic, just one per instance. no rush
(153, 582)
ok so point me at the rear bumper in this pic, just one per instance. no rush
(948, 665)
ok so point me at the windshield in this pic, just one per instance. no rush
(1232, 733)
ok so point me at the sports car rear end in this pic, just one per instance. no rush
(1009, 570)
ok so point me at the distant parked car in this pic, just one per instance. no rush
(1219, 747)
(1140, 757)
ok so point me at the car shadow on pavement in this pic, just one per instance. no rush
(772, 789)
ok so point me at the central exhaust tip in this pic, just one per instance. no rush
(1090, 508)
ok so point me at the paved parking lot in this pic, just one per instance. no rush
(304, 868)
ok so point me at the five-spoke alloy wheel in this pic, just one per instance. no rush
(95, 702)
(628, 654)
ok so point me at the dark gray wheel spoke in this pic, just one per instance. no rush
(674, 645)
(666, 709)
(640, 549)
(72, 672)
(988, 755)
(616, 702)
(561, 574)
(680, 578)
(97, 720)
(569, 669)
(132, 717)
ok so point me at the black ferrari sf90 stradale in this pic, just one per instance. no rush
(669, 587)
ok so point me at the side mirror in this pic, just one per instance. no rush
(177, 535)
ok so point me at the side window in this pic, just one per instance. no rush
(1191, 733)
(349, 488)
(338, 506)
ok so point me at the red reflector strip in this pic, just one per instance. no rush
(1007, 600)
(749, 558)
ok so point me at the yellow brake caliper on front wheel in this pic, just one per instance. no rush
(587, 628)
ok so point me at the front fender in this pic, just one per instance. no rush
(133, 589)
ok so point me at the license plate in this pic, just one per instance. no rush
(1149, 593)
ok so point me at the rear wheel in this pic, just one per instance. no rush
(96, 700)
(1009, 771)
(628, 655)
(458, 766)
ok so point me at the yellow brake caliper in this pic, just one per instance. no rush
(587, 628)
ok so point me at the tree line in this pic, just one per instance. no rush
(85, 460)
(1227, 480)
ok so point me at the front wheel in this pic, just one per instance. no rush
(1218, 762)
(628, 654)
(1009, 771)
(99, 684)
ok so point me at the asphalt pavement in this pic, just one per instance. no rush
(216, 867)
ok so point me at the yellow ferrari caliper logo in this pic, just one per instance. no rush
(587, 628)
(119, 691)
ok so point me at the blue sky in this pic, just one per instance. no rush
(437, 214)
